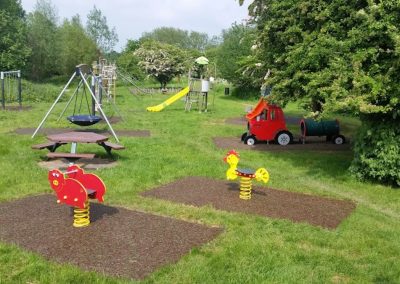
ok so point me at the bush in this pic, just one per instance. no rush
(246, 92)
(377, 150)
(38, 92)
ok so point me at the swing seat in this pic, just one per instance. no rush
(84, 120)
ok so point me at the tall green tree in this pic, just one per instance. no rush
(76, 46)
(339, 56)
(235, 47)
(178, 37)
(42, 38)
(13, 40)
(105, 37)
(129, 62)
(161, 61)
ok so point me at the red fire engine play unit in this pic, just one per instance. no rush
(266, 122)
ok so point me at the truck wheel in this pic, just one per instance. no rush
(284, 138)
(338, 140)
(250, 140)
(244, 135)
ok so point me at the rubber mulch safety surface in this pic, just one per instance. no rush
(49, 131)
(224, 195)
(312, 144)
(118, 242)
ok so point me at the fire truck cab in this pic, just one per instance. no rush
(266, 123)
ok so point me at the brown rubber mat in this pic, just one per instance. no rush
(118, 242)
(224, 195)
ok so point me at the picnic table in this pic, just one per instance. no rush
(75, 137)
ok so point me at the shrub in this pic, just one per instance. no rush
(377, 150)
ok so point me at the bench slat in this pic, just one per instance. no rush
(45, 145)
(70, 155)
(114, 146)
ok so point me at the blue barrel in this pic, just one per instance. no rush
(310, 127)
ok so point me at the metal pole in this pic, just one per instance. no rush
(19, 89)
(3, 103)
(92, 89)
(100, 88)
(99, 107)
(108, 98)
(69, 101)
(54, 104)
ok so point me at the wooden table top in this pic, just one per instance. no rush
(78, 137)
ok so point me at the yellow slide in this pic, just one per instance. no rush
(170, 100)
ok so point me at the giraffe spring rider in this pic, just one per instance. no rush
(74, 188)
(246, 175)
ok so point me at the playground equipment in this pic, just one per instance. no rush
(11, 89)
(170, 100)
(107, 74)
(246, 175)
(84, 74)
(328, 128)
(196, 94)
(266, 122)
(75, 188)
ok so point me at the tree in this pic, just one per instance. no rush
(76, 46)
(162, 61)
(235, 46)
(338, 56)
(13, 48)
(177, 37)
(97, 28)
(42, 38)
(129, 62)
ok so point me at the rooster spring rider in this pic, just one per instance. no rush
(74, 188)
(246, 175)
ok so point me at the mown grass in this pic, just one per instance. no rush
(252, 249)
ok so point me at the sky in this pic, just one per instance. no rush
(133, 17)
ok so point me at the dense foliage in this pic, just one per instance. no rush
(128, 62)
(335, 56)
(13, 48)
(180, 38)
(43, 39)
(76, 46)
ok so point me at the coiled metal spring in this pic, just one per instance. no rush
(81, 216)
(245, 188)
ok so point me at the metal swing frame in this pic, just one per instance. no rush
(78, 73)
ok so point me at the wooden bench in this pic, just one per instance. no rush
(108, 146)
(70, 155)
(51, 146)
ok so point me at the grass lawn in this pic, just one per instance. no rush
(364, 248)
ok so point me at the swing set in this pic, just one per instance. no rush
(11, 90)
(82, 94)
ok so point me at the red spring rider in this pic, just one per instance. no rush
(74, 188)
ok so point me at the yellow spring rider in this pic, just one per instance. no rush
(246, 175)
